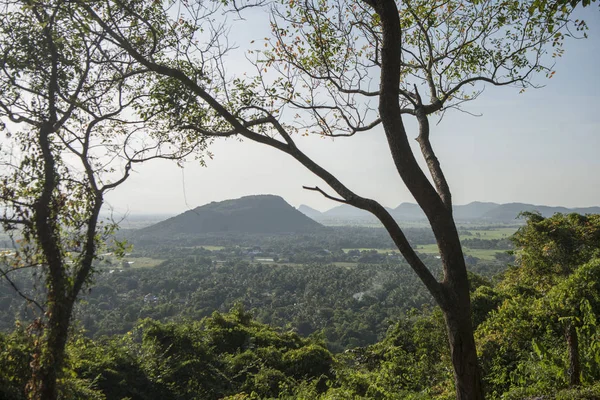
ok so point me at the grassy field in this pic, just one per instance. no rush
(292, 265)
(136, 262)
(479, 253)
(209, 248)
(495, 233)
(213, 248)
(484, 234)
(143, 262)
(381, 251)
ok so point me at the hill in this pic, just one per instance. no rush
(262, 214)
(408, 212)
(508, 212)
(309, 211)
(346, 211)
(475, 212)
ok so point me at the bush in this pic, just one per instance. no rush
(310, 361)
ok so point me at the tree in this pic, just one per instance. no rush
(541, 336)
(69, 111)
(550, 265)
(321, 64)
(574, 303)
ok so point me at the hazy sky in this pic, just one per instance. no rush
(542, 147)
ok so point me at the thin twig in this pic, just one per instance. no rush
(27, 298)
(317, 189)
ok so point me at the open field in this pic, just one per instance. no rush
(380, 251)
(212, 248)
(143, 262)
(135, 262)
(482, 254)
(476, 233)
(494, 233)
(292, 265)
(205, 247)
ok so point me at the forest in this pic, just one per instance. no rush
(349, 285)
(201, 325)
(91, 91)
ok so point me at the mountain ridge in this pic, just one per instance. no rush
(475, 211)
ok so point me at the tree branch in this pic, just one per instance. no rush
(4, 274)
(317, 189)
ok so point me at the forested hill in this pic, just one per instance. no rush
(262, 214)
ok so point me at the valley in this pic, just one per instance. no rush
(250, 249)
(342, 288)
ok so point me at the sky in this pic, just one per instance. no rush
(540, 147)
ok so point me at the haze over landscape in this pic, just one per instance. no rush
(315, 200)
(539, 147)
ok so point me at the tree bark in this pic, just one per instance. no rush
(455, 299)
(467, 376)
(574, 371)
(43, 385)
(48, 362)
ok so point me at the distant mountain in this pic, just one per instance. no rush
(408, 212)
(472, 211)
(488, 212)
(508, 212)
(262, 214)
(467, 212)
(310, 212)
(586, 210)
(346, 211)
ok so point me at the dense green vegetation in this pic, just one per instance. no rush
(544, 334)
(231, 356)
(351, 305)
(347, 284)
(223, 355)
(209, 323)
(88, 90)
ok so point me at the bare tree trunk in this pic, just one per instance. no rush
(50, 359)
(463, 353)
(574, 370)
(436, 203)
